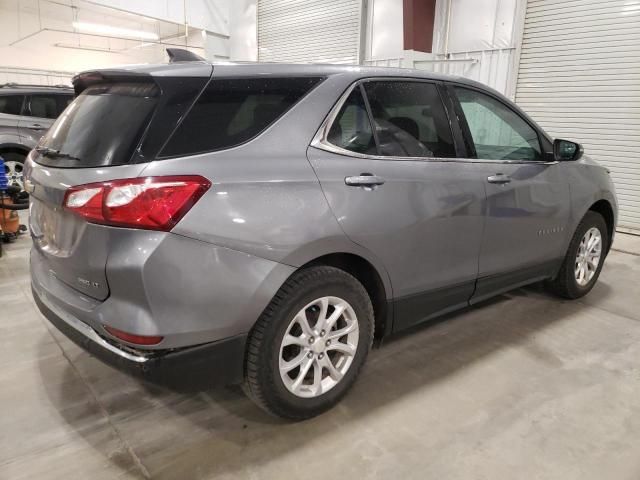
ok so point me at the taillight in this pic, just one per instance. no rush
(151, 203)
(133, 338)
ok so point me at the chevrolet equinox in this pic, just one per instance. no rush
(262, 224)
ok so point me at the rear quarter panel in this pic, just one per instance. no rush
(265, 198)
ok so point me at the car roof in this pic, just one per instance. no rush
(204, 69)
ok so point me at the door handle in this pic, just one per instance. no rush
(499, 178)
(36, 126)
(364, 180)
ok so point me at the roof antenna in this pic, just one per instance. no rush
(182, 55)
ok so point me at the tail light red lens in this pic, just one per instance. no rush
(133, 338)
(151, 203)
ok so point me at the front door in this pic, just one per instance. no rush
(396, 192)
(528, 199)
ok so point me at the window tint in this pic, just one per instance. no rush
(351, 129)
(234, 110)
(11, 104)
(102, 126)
(43, 106)
(497, 131)
(62, 102)
(410, 119)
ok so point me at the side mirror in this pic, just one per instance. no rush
(566, 151)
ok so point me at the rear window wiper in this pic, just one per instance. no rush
(53, 153)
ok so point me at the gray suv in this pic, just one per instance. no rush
(263, 224)
(26, 112)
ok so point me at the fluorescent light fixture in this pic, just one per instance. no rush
(100, 29)
(80, 47)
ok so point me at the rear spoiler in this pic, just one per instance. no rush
(85, 79)
(134, 75)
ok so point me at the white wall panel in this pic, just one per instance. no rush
(491, 67)
(385, 29)
(579, 77)
(243, 27)
(309, 30)
(211, 15)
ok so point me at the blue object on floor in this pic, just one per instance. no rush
(4, 183)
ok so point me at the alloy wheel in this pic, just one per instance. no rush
(14, 173)
(318, 347)
(588, 256)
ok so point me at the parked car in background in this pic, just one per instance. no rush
(264, 223)
(26, 113)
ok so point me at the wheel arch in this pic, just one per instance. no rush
(367, 274)
(14, 148)
(604, 208)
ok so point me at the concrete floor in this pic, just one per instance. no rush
(525, 386)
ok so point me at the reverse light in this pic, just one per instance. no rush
(133, 338)
(150, 203)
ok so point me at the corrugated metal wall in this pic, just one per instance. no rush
(309, 31)
(579, 77)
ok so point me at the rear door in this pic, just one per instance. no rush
(10, 111)
(528, 196)
(387, 164)
(41, 110)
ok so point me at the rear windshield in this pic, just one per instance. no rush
(232, 111)
(101, 127)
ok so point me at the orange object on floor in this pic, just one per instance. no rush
(9, 219)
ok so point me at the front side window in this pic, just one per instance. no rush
(232, 111)
(11, 104)
(497, 131)
(410, 119)
(351, 129)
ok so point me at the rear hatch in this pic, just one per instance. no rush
(117, 123)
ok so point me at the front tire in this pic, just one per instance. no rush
(14, 168)
(584, 259)
(307, 348)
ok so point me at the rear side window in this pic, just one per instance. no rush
(43, 106)
(410, 119)
(62, 102)
(351, 129)
(101, 127)
(11, 104)
(232, 111)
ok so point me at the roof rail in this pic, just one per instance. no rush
(182, 55)
(28, 85)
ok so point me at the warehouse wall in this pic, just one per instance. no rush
(211, 15)
(243, 30)
(384, 29)
(478, 39)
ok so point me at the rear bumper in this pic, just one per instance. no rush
(215, 363)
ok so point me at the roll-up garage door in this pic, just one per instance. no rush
(579, 77)
(309, 30)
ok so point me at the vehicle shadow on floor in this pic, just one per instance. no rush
(220, 432)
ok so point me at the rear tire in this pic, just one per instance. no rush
(578, 275)
(290, 332)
